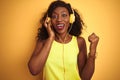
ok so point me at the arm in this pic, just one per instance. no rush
(39, 57)
(41, 52)
(87, 65)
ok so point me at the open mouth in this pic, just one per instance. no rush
(60, 26)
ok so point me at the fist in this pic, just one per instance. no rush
(93, 39)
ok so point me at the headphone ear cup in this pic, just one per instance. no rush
(72, 18)
(48, 19)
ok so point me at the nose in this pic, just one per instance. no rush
(59, 18)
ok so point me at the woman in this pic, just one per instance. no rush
(60, 51)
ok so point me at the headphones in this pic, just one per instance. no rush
(72, 17)
(71, 20)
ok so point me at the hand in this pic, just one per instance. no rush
(93, 39)
(47, 25)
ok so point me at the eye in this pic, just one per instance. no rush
(54, 16)
(64, 15)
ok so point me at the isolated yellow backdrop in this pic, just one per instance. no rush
(19, 21)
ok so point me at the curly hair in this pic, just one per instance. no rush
(77, 26)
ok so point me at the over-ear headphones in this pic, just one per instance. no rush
(72, 17)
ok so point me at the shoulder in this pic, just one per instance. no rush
(81, 41)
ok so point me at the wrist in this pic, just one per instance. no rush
(92, 52)
(92, 55)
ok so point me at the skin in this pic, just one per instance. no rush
(38, 59)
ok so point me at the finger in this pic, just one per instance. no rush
(49, 25)
(46, 22)
(93, 35)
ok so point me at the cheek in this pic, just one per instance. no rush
(67, 19)
(67, 22)
(53, 22)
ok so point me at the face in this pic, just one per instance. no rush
(60, 20)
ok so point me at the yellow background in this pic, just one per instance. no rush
(19, 21)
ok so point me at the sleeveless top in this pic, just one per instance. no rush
(61, 63)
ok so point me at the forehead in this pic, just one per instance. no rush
(60, 10)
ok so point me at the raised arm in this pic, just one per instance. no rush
(87, 64)
(41, 52)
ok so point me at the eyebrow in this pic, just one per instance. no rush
(57, 13)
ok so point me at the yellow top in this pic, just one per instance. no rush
(61, 63)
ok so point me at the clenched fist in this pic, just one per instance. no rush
(93, 39)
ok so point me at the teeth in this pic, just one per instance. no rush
(60, 25)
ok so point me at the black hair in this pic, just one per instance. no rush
(77, 26)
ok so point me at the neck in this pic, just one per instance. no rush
(62, 37)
